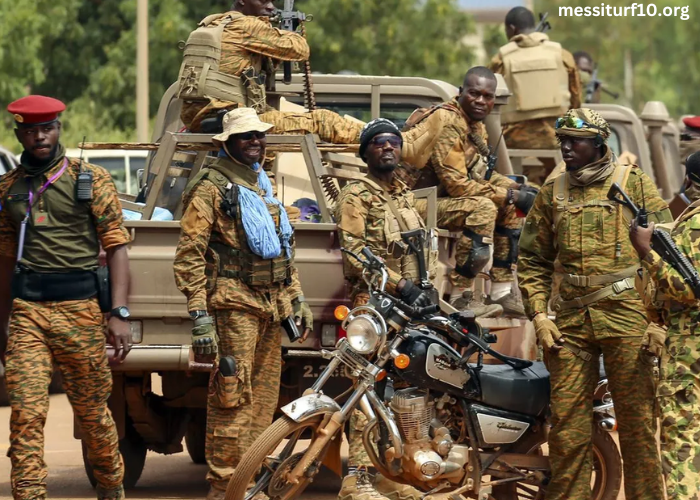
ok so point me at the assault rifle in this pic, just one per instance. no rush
(289, 20)
(595, 84)
(661, 241)
(543, 25)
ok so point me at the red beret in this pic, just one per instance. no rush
(692, 121)
(35, 109)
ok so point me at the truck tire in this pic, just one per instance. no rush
(196, 435)
(133, 450)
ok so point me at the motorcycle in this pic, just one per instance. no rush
(439, 418)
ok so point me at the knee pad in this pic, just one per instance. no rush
(513, 236)
(478, 256)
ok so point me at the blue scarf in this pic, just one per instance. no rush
(258, 224)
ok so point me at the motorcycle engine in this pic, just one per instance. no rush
(430, 452)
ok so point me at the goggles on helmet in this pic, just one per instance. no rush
(571, 122)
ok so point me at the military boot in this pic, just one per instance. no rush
(467, 302)
(511, 304)
(395, 491)
(359, 486)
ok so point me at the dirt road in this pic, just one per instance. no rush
(171, 477)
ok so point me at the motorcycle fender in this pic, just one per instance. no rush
(332, 458)
(310, 406)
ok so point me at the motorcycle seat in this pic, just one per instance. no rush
(521, 391)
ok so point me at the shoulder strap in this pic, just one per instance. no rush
(379, 191)
(560, 197)
(508, 48)
(621, 175)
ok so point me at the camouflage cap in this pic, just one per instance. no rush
(582, 122)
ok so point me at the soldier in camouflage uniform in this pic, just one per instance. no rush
(673, 305)
(234, 262)
(534, 132)
(598, 310)
(445, 146)
(49, 245)
(249, 43)
(368, 213)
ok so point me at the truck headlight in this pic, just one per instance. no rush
(365, 330)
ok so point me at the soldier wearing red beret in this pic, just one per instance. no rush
(55, 213)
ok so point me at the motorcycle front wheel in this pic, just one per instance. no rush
(269, 459)
(606, 478)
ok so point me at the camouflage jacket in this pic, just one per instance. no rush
(247, 41)
(590, 240)
(203, 218)
(361, 218)
(442, 148)
(680, 308)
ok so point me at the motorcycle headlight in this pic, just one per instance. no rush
(363, 334)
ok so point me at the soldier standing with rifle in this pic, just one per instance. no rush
(598, 311)
(544, 81)
(670, 281)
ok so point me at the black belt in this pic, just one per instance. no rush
(53, 287)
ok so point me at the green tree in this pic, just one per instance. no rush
(393, 37)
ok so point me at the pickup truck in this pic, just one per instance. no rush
(159, 393)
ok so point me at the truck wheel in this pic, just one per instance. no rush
(133, 450)
(196, 436)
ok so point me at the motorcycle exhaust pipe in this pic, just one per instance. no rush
(608, 424)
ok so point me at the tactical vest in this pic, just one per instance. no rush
(224, 261)
(537, 78)
(200, 78)
(396, 221)
(617, 282)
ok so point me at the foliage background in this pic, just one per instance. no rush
(84, 51)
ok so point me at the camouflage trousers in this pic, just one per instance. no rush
(241, 407)
(678, 395)
(631, 383)
(475, 213)
(71, 335)
(330, 126)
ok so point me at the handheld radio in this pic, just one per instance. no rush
(83, 186)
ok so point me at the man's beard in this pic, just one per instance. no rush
(386, 168)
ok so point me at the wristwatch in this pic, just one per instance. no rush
(197, 314)
(121, 312)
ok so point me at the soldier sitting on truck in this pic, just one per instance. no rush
(227, 61)
(545, 83)
(372, 212)
(235, 263)
(445, 146)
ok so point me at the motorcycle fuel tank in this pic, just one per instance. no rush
(434, 365)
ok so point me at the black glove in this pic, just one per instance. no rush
(526, 198)
(414, 296)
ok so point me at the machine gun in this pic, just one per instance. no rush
(595, 84)
(543, 26)
(291, 20)
(661, 241)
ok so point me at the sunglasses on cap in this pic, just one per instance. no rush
(248, 136)
(571, 122)
(393, 140)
